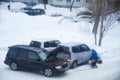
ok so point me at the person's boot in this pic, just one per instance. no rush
(93, 66)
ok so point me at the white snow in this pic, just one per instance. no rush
(19, 28)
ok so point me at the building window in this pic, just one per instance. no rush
(77, 0)
(59, 0)
(68, 0)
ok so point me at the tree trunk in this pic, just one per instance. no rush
(72, 5)
(100, 39)
(96, 24)
(45, 6)
(95, 36)
(45, 2)
(95, 28)
(102, 23)
(97, 19)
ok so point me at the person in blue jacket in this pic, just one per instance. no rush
(94, 58)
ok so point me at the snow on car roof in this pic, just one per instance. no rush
(70, 44)
(44, 39)
(26, 47)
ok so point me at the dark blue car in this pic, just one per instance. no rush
(33, 12)
(35, 59)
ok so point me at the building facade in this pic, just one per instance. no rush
(67, 3)
(28, 1)
(58, 3)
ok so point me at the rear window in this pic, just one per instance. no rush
(51, 43)
(12, 52)
(64, 48)
(46, 44)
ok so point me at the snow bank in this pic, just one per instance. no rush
(13, 5)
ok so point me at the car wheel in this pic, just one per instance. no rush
(48, 72)
(74, 64)
(14, 66)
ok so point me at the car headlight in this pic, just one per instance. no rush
(58, 67)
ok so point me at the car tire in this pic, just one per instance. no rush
(14, 66)
(74, 64)
(48, 72)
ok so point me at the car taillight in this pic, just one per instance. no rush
(69, 55)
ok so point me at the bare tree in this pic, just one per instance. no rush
(97, 14)
(107, 23)
(105, 16)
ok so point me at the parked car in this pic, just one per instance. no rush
(56, 15)
(77, 53)
(89, 13)
(85, 16)
(46, 44)
(38, 59)
(31, 11)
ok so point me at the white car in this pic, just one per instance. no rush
(49, 45)
(77, 53)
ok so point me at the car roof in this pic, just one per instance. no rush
(37, 9)
(27, 47)
(26, 8)
(44, 40)
(70, 44)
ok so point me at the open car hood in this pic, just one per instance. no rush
(57, 50)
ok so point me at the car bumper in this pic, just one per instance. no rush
(62, 69)
(70, 62)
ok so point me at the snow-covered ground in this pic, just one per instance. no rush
(19, 28)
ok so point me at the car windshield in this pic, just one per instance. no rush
(42, 55)
(57, 42)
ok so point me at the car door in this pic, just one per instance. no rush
(77, 54)
(34, 61)
(22, 58)
(85, 51)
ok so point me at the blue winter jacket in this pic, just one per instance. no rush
(94, 55)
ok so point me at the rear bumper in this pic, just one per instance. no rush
(70, 62)
(6, 62)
